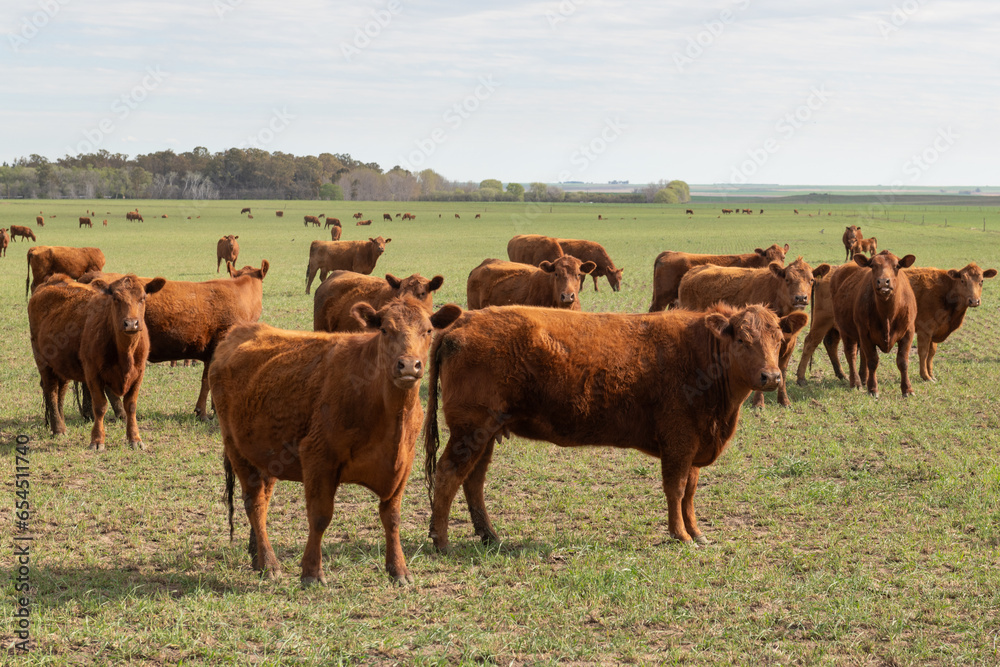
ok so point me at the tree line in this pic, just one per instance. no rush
(253, 173)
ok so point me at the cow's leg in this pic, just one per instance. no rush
(395, 561)
(321, 487)
(257, 488)
(476, 499)
(99, 405)
(869, 357)
(675, 485)
(924, 344)
(809, 346)
(116, 404)
(310, 274)
(831, 341)
(687, 507)
(783, 365)
(201, 407)
(53, 407)
(61, 401)
(931, 352)
(465, 447)
(757, 401)
(595, 284)
(903, 363)
(850, 351)
(131, 399)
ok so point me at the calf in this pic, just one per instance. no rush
(343, 289)
(23, 232)
(594, 252)
(874, 306)
(336, 233)
(354, 419)
(357, 256)
(533, 249)
(670, 267)
(228, 249)
(44, 261)
(822, 328)
(40, 221)
(868, 245)
(783, 290)
(852, 234)
(552, 284)
(670, 385)
(93, 334)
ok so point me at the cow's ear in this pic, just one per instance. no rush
(101, 284)
(231, 268)
(777, 270)
(366, 315)
(155, 285)
(821, 270)
(955, 275)
(445, 315)
(719, 325)
(861, 260)
(547, 266)
(759, 251)
(857, 229)
(907, 262)
(387, 240)
(793, 321)
(236, 237)
(371, 240)
(435, 283)
(393, 281)
(989, 273)
(264, 266)
(587, 267)
(786, 248)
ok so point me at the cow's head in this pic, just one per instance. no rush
(615, 278)
(852, 232)
(796, 283)
(378, 245)
(885, 271)
(249, 270)
(751, 340)
(967, 285)
(404, 328)
(128, 300)
(416, 286)
(773, 254)
(567, 273)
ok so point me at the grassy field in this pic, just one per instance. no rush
(845, 530)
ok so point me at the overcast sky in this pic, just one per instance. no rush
(775, 91)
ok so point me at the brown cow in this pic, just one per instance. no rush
(228, 249)
(550, 284)
(44, 261)
(363, 222)
(186, 320)
(40, 221)
(106, 221)
(387, 216)
(852, 234)
(458, 216)
(310, 220)
(358, 215)
(821, 329)
(246, 209)
(93, 334)
(134, 215)
(478, 216)
(342, 289)
(594, 252)
(279, 214)
(670, 385)
(336, 233)
(4, 242)
(332, 222)
(670, 267)
(87, 222)
(357, 256)
(24, 232)
(533, 249)
(868, 245)
(874, 306)
(355, 419)
(783, 290)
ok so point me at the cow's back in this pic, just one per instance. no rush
(707, 284)
(498, 283)
(533, 249)
(57, 315)
(339, 292)
(588, 251)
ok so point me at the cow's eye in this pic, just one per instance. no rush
(384, 332)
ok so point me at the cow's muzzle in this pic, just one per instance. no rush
(770, 380)
(131, 325)
(408, 372)
(567, 297)
(974, 303)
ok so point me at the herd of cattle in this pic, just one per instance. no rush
(523, 359)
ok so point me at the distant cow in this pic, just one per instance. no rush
(324, 409)
(106, 221)
(4, 241)
(670, 267)
(40, 221)
(387, 216)
(478, 216)
(187, 320)
(93, 334)
(688, 212)
(44, 261)
(87, 222)
(533, 249)
(868, 245)
(550, 284)
(363, 222)
(357, 256)
(134, 215)
(852, 234)
(727, 211)
(332, 222)
(782, 289)
(279, 214)
(670, 385)
(245, 210)
(23, 232)
(594, 252)
(874, 306)
(457, 215)
(310, 220)
(358, 215)
(336, 232)
(343, 289)
(226, 249)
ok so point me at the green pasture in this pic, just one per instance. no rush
(845, 530)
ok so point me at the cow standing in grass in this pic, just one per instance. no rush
(551, 284)
(337, 295)
(44, 261)
(228, 249)
(357, 256)
(22, 231)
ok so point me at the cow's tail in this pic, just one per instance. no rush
(431, 436)
(230, 487)
(27, 281)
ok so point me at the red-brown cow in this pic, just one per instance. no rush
(533, 249)
(44, 261)
(134, 215)
(357, 256)
(93, 334)
(40, 221)
(358, 215)
(868, 245)
(336, 233)
(343, 289)
(4, 242)
(780, 289)
(361, 223)
(279, 214)
(387, 216)
(594, 252)
(852, 234)
(332, 222)
(822, 328)
(670, 267)
(354, 420)
(551, 284)
(670, 385)
(85, 222)
(20, 230)
(187, 320)
(246, 209)
(310, 220)
(874, 306)
(227, 249)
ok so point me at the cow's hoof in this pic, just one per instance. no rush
(403, 579)
(701, 539)
(309, 581)
(137, 444)
(801, 382)
(908, 393)
(873, 394)
(97, 446)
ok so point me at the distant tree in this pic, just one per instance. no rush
(682, 189)
(488, 193)
(516, 191)
(537, 192)
(331, 191)
(666, 196)
(491, 183)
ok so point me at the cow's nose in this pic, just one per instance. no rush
(131, 325)
(769, 378)
(974, 303)
(801, 299)
(410, 367)
(568, 298)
